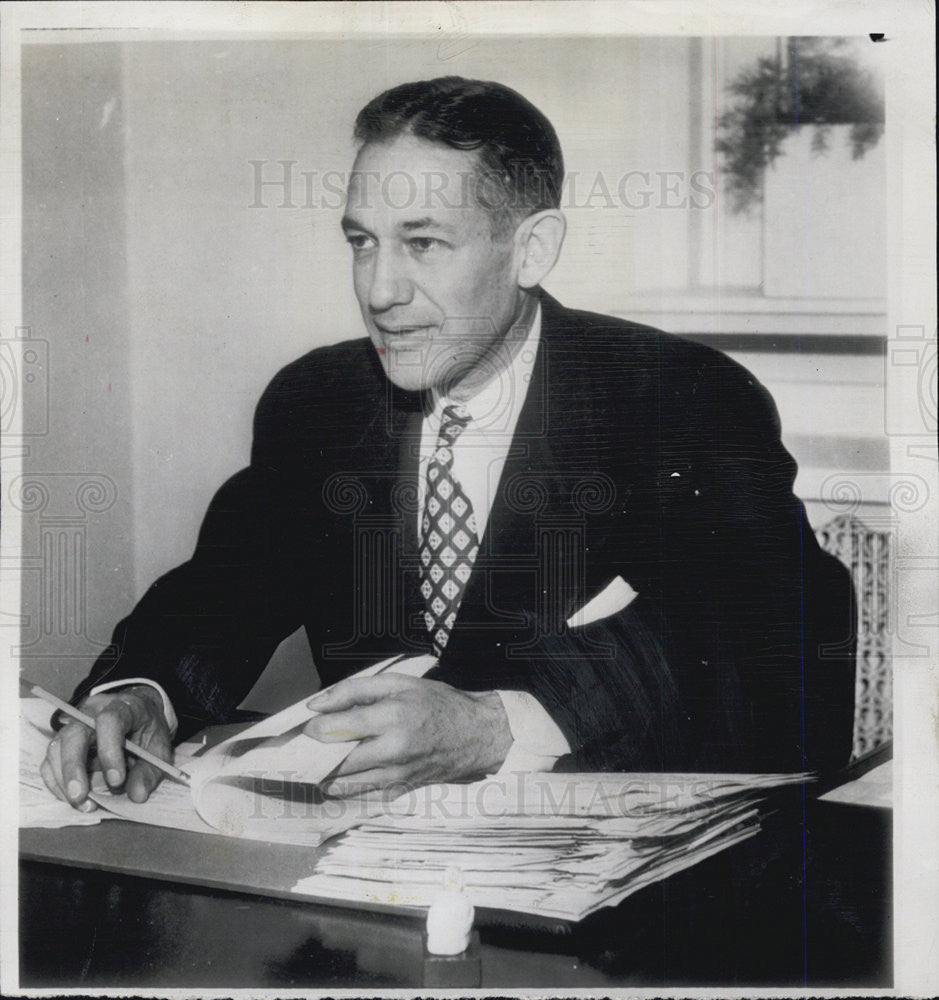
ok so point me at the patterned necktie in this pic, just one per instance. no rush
(449, 542)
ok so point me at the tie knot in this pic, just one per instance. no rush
(453, 421)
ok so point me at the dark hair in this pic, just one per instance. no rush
(520, 161)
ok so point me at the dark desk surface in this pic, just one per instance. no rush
(807, 902)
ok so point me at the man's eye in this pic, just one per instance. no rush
(358, 241)
(423, 244)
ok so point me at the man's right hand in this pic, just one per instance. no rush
(134, 712)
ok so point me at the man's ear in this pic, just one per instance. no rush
(538, 240)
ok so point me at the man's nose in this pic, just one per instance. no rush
(390, 284)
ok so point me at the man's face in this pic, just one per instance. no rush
(437, 291)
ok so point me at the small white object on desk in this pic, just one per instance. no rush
(450, 917)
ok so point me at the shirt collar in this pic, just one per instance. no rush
(497, 405)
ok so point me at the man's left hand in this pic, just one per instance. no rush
(412, 732)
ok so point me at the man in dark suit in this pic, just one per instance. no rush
(590, 524)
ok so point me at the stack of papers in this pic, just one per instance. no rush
(555, 845)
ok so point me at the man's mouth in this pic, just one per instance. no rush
(402, 330)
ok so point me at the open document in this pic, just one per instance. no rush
(261, 784)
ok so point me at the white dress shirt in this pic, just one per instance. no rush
(479, 455)
(478, 458)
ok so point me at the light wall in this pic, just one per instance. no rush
(76, 494)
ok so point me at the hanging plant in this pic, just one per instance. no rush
(817, 83)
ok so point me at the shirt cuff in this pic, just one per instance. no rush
(168, 713)
(537, 740)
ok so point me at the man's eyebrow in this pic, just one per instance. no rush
(427, 222)
(409, 225)
(348, 223)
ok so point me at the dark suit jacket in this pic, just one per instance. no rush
(636, 454)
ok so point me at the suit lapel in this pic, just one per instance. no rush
(531, 557)
(375, 514)
(408, 456)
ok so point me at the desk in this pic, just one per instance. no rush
(803, 903)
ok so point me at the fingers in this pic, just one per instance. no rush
(52, 783)
(359, 691)
(65, 768)
(112, 725)
(367, 781)
(74, 742)
(382, 762)
(49, 777)
(385, 752)
(393, 781)
(50, 770)
(355, 723)
(142, 777)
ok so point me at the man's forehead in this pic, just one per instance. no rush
(420, 183)
(443, 186)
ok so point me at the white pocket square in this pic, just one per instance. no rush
(615, 596)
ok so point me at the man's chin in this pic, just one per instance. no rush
(411, 377)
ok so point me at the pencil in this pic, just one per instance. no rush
(63, 706)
